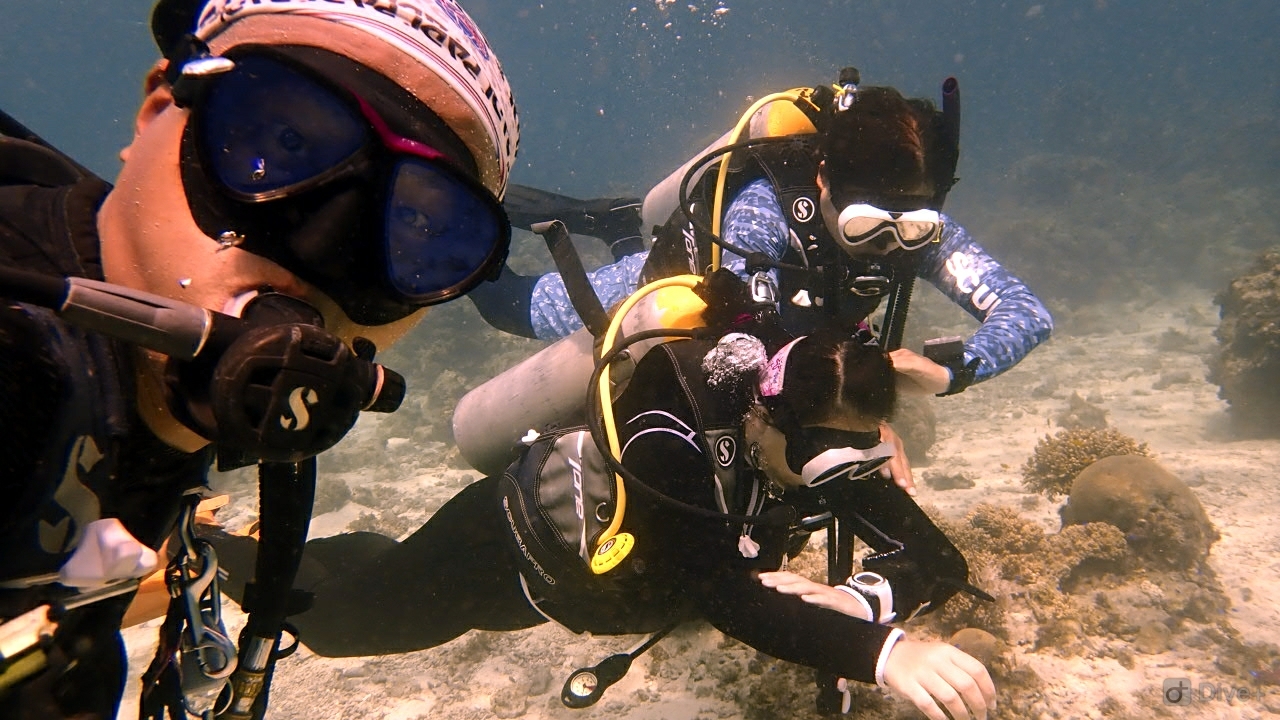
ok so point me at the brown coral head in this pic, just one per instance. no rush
(1163, 521)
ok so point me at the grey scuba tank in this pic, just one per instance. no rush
(549, 389)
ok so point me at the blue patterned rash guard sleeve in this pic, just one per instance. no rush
(754, 222)
(1014, 321)
(551, 314)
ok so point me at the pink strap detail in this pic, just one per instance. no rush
(776, 369)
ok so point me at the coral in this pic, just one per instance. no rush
(986, 536)
(1012, 558)
(1161, 517)
(1079, 549)
(987, 648)
(1248, 360)
(1058, 459)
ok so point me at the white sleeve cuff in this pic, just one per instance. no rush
(892, 640)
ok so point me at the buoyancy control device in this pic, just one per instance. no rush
(549, 388)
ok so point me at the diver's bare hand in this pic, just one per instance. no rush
(898, 469)
(814, 593)
(934, 675)
(918, 374)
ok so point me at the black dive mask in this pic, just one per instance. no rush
(819, 455)
(280, 162)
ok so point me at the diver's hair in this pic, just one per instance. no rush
(881, 142)
(830, 373)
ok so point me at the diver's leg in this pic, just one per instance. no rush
(374, 596)
(615, 221)
(504, 303)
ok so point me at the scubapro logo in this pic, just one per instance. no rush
(298, 418)
(726, 451)
(802, 209)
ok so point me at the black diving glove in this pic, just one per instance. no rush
(727, 297)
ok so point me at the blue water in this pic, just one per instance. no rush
(1102, 139)
(614, 94)
(1125, 100)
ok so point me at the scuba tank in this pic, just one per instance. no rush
(547, 388)
(766, 118)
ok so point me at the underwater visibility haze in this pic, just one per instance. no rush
(1120, 156)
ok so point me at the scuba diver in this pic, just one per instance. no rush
(303, 181)
(730, 458)
(836, 196)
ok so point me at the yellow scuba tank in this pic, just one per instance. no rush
(550, 387)
(771, 116)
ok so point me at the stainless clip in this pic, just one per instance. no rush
(206, 655)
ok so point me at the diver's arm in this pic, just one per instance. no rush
(755, 222)
(1014, 321)
(615, 221)
(787, 628)
(930, 674)
(551, 314)
(32, 388)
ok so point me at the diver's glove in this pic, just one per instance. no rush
(282, 392)
(727, 297)
(962, 375)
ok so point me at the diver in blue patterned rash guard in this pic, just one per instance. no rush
(862, 201)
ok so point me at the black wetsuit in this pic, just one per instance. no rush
(73, 448)
(461, 570)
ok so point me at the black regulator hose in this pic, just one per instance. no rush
(686, 205)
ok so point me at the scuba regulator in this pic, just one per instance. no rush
(269, 386)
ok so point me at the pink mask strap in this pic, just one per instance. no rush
(775, 370)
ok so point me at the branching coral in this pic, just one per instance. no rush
(1058, 459)
(1014, 559)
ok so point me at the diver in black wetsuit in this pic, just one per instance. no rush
(281, 169)
(704, 431)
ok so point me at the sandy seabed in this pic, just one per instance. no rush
(1114, 356)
